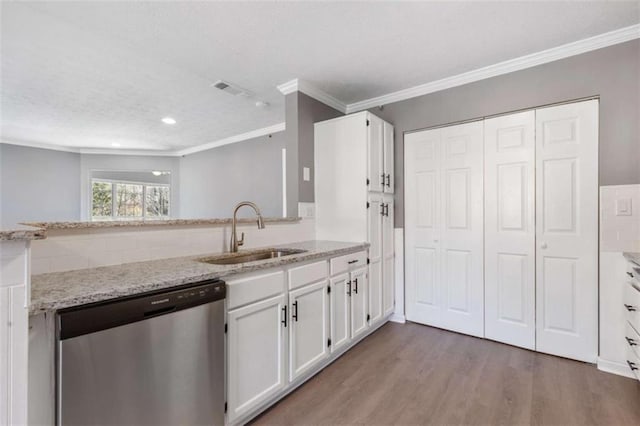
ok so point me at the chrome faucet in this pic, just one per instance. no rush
(235, 242)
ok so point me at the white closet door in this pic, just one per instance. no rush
(567, 230)
(462, 259)
(509, 143)
(422, 226)
(375, 166)
(444, 227)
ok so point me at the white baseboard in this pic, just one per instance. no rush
(397, 318)
(615, 368)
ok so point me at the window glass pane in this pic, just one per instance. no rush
(157, 202)
(102, 200)
(128, 200)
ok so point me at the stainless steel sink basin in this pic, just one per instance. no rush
(253, 256)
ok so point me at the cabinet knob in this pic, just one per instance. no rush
(543, 246)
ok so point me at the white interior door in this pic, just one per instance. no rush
(509, 143)
(444, 227)
(567, 230)
(375, 138)
(462, 259)
(422, 230)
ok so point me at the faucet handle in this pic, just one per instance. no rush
(241, 240)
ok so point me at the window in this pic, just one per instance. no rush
(113, 200)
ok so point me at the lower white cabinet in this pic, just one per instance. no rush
(340, 311)
(309, 327)
(359, 302)
(256, 361)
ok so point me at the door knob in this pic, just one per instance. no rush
(543, 246)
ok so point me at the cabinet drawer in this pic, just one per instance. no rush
(632, 339)
(307, 274)
(633, 362)
(631, 302)
(243, 291)
(348, 262)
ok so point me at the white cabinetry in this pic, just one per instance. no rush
(256, 348)
(354, 202)
(631, 307)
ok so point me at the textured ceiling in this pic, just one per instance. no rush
(96, 73)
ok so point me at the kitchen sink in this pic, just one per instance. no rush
(253, 256)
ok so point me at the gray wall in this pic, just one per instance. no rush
(301, 113)
(612, 73)
(37, 184)
(213, 181)
(93, 162)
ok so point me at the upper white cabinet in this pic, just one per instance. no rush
(354, 201)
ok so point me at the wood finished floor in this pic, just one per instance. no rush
(414, 374)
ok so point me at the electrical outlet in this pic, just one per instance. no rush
(306, 174)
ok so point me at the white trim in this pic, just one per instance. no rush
(398, 241)
(233, 139)
(400, 319)
(284, 182)
(310, 90)
(614, 368)
(169, 153)
(560, 52)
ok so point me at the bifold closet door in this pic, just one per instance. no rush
(509, 146)
(444, 227)
(567, 230)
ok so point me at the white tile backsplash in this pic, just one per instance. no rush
(65, 250)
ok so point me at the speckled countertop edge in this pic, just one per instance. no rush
(632, 257)
(153, 222)
(22, 233)
(59, 290)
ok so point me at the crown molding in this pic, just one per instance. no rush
(154, 153)
(560, 52)
(233, 139)
(297, 85)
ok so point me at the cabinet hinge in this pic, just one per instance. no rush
(368, 205)
(226, 328)
(329, 342)
(368, 317)
(368, 261)
(367, 122)
(328, 289)
(225, 406)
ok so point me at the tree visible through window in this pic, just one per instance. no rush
(125, 200)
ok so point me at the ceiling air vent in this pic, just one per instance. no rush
(232, 89)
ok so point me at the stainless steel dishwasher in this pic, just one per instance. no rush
(152, 359)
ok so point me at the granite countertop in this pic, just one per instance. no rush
(22, 232)
(632, 257)
(58, 290)
(152, 222)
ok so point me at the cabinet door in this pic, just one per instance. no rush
(375, 138)
(567, 230)
(375, 290)
(388, 257)
(510, 229)
(309, 331)
(340, 311)
(256, 354)
(388, 158)
(359, 302)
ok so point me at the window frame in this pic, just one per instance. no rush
(114, 216)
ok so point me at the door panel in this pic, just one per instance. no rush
(375, 290)
(388, 158)
(359, 302)
(510, 229)
(374, 213)
(375, 140)
(422, 225)
(256, 362)
(309, 331)
(567, 230)
(388, 255)
(340, 311)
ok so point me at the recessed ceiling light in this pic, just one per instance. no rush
(168, 120)
(115, 144)
(156, 173)
(262, 104)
